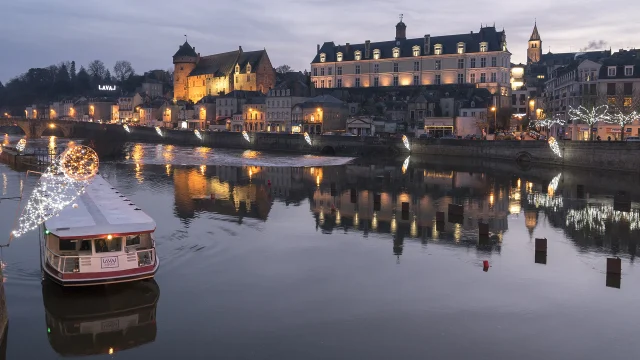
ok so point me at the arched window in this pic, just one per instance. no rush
(357, 55)
(376, 54)
(396, 52)
(339, 56)
(323, 57)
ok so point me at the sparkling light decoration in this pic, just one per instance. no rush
(198, 135)
(622, 119)
(59, 186)
(21, 145)
(405, 165)
(307, 138)
(596, 218)
(126, 128)
(553, 185)
(589, 116)
(246, 136)
(405, 141)
(549, 122)
(158, 130)
(553, 144)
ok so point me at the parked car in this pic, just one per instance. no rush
(425, 136)
(632, 138)
(449, 137)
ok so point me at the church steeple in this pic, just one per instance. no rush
(534, 52)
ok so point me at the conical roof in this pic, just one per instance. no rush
(535, 35)
(186, 50)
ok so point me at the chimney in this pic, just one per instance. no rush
(346, 48)
(367, 48)
(427, 44)
(318, 48)
(240, 49)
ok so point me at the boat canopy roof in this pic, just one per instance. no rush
(101, 211)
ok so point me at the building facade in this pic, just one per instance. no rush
(476, 58)
(196, 77)
(279, 104)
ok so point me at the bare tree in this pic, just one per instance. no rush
(623, 102)
(97, 69)
(589, 115)
(123, 70)
(283, 69)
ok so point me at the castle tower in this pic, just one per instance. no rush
(534, 52)
(401, 30)
(184, 60)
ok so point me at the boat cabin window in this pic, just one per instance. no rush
(133, 240)
(106, 245)
(67, 245)
(85, 245)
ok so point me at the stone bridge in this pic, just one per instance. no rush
(35, 128)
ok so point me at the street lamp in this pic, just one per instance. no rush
(495, 123)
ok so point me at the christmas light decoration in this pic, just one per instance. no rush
(21, 145)
(405, 165)
(405, 141)
(198, 135)
(553, 144)
(246, 136)
(158, 130)
(553, 185)
(589, 116)
(622, 119)
(59, 186)
(549, 122)
(126, 128)
(307, 138)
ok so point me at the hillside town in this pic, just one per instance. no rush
(455, 86)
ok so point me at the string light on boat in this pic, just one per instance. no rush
(126, 128)
(405, 165)
(158, 130)
(59, 186)
(198, 134)
(405, 141)
(21, 145)
(246, 136)
(307, 138)
(553, 144)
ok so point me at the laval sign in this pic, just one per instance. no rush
(107, 87)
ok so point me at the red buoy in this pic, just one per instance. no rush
(485, 265)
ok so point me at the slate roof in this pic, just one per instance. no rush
(218, 64)
(242, 94)
(566, 58)
(535, 35)
(620, 60)
(252, 58)
(449, 45)
(185, 50)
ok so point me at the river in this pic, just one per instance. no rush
(267, 256)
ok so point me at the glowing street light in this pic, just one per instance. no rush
(495, 123)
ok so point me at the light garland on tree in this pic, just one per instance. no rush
(549, 122)
(622, 119)
(198, 135)
(246, 136)
(158, 130)
(307, 138)
(126, 128)
(405, 141)
(21, 145)
(553, 144)
(589, 116)
(59, 185)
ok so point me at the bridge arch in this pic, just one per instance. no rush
(523, 156)
(57, 131)
(328, 150)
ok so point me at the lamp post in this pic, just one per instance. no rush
(495, 123)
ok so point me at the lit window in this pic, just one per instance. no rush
(323, 57)
(460, 48)
(396, 52)
(357, 55)
(628, 70)
(612, 71)
(484, 47)
(339, 56)
(416, 51)
(437, 49)
(376, 54)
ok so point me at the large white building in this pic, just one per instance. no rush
(478, 58)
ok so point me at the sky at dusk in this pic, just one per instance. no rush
(38, 33)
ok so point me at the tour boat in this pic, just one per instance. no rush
(90, 321)
(102, 238)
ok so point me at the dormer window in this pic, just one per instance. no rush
(396, 52)
(376, 54)
(611, 71)
(248, 68)
(339, 56)
(416, 50)
(460, 48)
(323, 57)
(437, 49)
(628, 71)
(484, 47)
(237, 69)
(357, 55)
(473, 104)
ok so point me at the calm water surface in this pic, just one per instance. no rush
(304, 257)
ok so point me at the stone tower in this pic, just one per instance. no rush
(401, 30)
(534, 52)
(184, 60)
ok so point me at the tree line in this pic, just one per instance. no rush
(55, 82)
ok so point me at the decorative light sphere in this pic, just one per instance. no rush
(75, 206)
(553, 144)
(307, 138)
(405, 141)
(79, 163)
(21, 144)
(246, 136)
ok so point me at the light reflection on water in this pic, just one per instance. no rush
(351, 254)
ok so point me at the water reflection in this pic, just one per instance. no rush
(100, 320)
